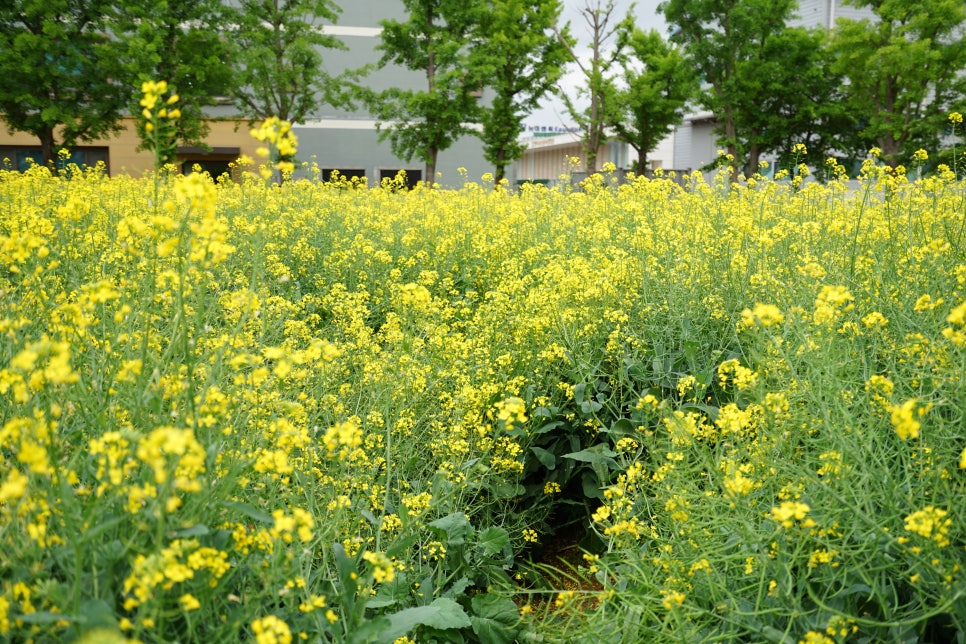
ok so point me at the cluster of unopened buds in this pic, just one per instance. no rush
(278, 136)
(154, 92)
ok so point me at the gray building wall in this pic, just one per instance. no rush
(345, 138)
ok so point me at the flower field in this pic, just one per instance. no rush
(327, 413)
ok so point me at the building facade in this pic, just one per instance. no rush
(332, 138)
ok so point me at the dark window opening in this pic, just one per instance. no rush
(216, 161)
(413, 177)
(21, 157)
(346, 173)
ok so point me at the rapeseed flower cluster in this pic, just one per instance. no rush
(236, 411)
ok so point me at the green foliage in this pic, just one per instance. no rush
(238, 411)
(277, 48)
(59, 79)
(518, 59)
(806, 107)
(182, 43)
(454, 598)
(904, 71)
(658, 83)
(433, 40)
(746, 54)
(598, 87)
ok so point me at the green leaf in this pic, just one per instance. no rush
(599, 453)
(591, 486)
(103, 526)
(547, 459)
(494, 619)
(457, 589)
(456, 527)
(47, 617)
(402, 545)
(371, 631)
(198, 530)
(249, 511)
(508, 490)
(443, 613)
(622, 427)
(493, 540)
(548, 427)
(97, 613)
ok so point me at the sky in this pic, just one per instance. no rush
(552, 111)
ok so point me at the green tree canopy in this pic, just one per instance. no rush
(278, 56)
(746, 55)
(519, 59)
(182, 43)
(904, 71)
(433, 40)
(59, 78)
(658, 82)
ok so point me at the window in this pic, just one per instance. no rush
(349, 174)
(21, 157)
(413, 177)
(216, 161)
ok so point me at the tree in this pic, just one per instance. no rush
(791, 96)
(737, 47)
(278, 55)
(434, 41)
(658, 83)
(520, 59)
(801, 108)
(181, 43)
(58, 73)
(904, 70)
(598, 89)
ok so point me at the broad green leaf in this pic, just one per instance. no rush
(547, 459)
(493, 540)
(548, 427)
(590, 484)
(456, 527)
(443, 613)
(597, 454)
(46, 617)
(494, 619)
(198, 530)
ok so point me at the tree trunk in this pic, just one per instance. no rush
(890, 149)
(430, 168)
(732, 147)
(754, 153)
(47, 152)
(500, 172)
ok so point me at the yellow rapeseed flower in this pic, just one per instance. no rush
(271, 630)
(790, 512)
(930, 523)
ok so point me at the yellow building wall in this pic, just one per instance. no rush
(123, 156)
